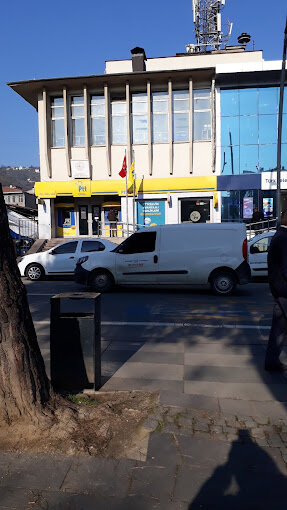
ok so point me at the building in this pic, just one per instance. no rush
(201, 128)
(16, 197)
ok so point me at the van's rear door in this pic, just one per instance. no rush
(137, 258)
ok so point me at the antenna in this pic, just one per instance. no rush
(208, 30)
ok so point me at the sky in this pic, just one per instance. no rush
(53, 38)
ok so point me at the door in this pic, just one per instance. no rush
(62, 259)
(96, 220)
(83, 220)
(258, 255)
(137, 259)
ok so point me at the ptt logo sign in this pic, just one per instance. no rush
(82, 189)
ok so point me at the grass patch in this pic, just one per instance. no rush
(82, 400)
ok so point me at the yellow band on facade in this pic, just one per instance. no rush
(87, 188)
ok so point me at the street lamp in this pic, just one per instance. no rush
(279, 138)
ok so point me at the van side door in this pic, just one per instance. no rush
(137, 258)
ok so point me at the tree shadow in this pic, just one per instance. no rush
(249, 480)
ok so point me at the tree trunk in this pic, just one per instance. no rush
(24, 387)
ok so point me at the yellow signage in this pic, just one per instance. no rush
(81, 188)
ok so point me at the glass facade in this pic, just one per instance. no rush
(249, 118)
(239, 205)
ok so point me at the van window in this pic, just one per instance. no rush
(139, 243)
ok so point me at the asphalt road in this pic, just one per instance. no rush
(251, 305)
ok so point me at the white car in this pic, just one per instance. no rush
(62, 259)
(257, 253)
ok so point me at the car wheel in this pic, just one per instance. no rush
(101, 281)
(223, 283)
(34, 272)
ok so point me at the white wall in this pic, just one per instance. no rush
(45, 219)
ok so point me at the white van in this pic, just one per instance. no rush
(184, 255)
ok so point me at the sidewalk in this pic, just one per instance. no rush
(217, 439)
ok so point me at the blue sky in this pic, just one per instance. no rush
(45, 39)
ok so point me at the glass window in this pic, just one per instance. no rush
(249, 159)
(88, 246)
(119, 122)
(57, 122)
(160, 117)
(13, 198)
(98, 123)
(229, 103)
(201, 115)
(284, 128)
(230, 205)
(260, 246)
(248, 130)
(66, 248)
(143, 242)
(268, 129)
(267, 157)
(268, 100)
(139, 118)
(248, 99)
(20, 198)
(284, 156)
(78, 121)
(230, 160)
(230, 131)
(180, 106)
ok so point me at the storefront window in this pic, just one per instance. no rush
(239, 205)
(230, 206)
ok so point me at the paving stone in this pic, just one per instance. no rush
(231, 421)
(201, 426)
(283, 436)
(173, 398)
(216, 429)
(262, 442)
(275, 440)
(258, 433)
(261, 420)
(202, 450)
(106, 477)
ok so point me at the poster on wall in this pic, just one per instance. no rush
(247, 207)
(267, 207)
(150, 213)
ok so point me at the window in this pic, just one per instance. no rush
(119, 122)
(66, 248)
(88, 246)
(13, 198)
(78, 121)
(98, 122)
(180, 108)
(260, 246)
(20, 198)
(138, 243)
(139, 118)
(201, 115)
(160, 117)
(57, 118)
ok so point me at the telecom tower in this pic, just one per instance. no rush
(207, 21)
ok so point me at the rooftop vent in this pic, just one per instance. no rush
(138, 59)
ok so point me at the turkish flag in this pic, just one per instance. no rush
(123, 171)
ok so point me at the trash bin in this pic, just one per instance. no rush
(75, 341)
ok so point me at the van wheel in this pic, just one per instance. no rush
(222, 283)
(34, 272)
(101, 281)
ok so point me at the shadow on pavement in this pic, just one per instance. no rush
(250, 480)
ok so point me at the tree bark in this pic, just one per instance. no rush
(24, 387)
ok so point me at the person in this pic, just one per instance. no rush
(277, 276)
(257, 216)
(113, 218)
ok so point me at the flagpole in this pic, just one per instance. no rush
(127, 200)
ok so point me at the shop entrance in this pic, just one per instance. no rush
(195, 210)
(96, 220)
(83, 220)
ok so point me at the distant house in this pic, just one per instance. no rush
(17, 197)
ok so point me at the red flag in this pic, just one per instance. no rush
(123, 171)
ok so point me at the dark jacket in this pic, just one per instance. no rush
(277, 263)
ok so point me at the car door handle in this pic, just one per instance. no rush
(155, 259)
(71, 257)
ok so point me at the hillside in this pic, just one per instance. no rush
(24, 178)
